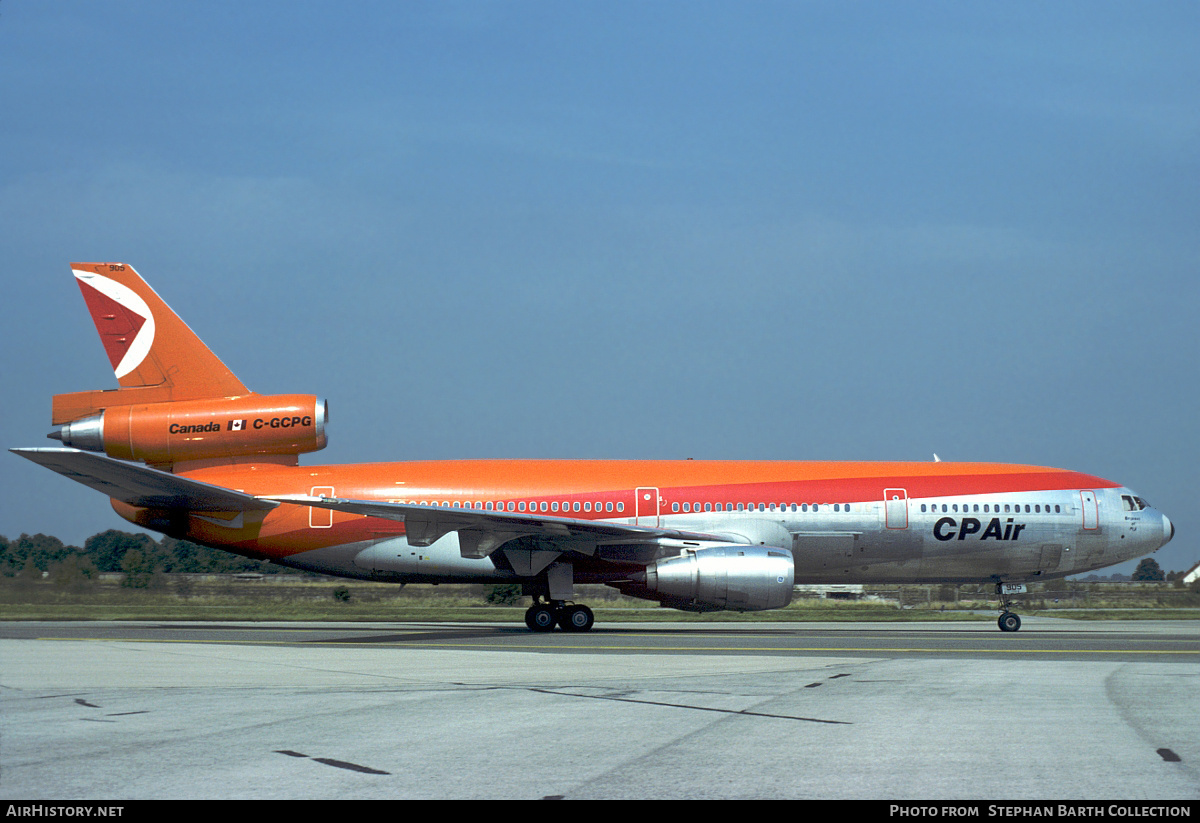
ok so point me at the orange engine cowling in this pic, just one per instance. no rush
(215, 428)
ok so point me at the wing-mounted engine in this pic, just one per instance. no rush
(735, 577)
(164, 434)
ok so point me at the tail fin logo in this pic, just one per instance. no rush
(125, 322)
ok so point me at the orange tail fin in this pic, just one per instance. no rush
(146, 342)
(154, 354)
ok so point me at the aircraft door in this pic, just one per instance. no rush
(645, 506)
(895, 506)
(1091, 519)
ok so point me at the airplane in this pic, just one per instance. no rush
(182, 447)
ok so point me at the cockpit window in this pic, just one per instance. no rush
(1132, 504)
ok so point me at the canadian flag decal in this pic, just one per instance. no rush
(236, 425)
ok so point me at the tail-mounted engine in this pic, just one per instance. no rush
(221, 428)
(735, 577)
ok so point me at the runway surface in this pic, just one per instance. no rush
(1061, 710)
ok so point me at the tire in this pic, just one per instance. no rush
(576, 619)
(540, 618)
(1009, 622)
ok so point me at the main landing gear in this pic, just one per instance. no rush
(570, 617)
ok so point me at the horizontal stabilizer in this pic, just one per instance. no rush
(140, 485)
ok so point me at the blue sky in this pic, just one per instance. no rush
(767, 230)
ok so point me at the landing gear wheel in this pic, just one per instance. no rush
(1009, 622)
(575, 618)
(540, 618)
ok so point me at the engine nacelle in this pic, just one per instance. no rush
(736, 577)
(219, 428)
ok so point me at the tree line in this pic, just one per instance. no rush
(136, 555)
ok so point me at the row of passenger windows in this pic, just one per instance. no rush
(545, 505)
(608, 507)
(762, 507)
(994, 508)
(686, 508)
(845, 507)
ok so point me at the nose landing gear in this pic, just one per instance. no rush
(1009, 621)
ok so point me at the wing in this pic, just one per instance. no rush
(482, 532)
(140, 485)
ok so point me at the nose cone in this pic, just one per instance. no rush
(1168, 530)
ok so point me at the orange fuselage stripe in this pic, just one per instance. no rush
(539, 479)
